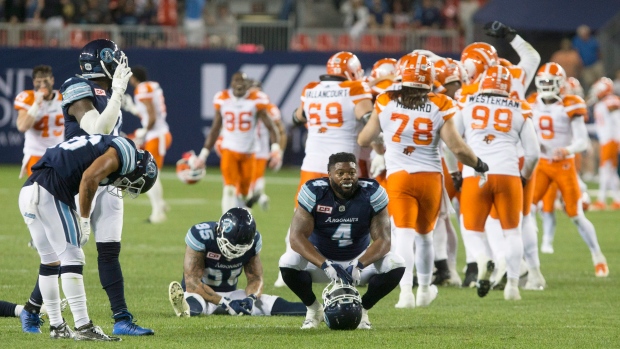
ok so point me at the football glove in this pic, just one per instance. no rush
(121, 76)
(377, 165)
(139, 136)
(481, 169)
(232, 307)
(247, 304)
(498, 29)
(33, 111)
(84, 230)
(335, 271)
(457, 180)
(275, 157)
(355, 270)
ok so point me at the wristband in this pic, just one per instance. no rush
(204, 154)
(275, 147)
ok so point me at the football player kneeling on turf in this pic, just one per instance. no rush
(215, 255)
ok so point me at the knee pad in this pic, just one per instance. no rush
(392, 261)
(291, 260)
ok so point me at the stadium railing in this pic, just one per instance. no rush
(248, 36)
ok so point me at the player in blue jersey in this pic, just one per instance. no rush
(91, 105)
(48, 206)
(331, 231)
(215, 256)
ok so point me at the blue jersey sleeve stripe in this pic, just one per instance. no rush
(380, 205)
(76, 92)
(380, 191)
(128, 155)
(308, 192)
(194, 244)
(304, 200)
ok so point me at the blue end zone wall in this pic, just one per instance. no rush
(189, 79)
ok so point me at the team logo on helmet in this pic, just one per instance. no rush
(151, 170)
(87, 66)
(227, 225)
(107, 55)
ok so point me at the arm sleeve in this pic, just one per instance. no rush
(529, 58)
(580, 136)
(531, 149)
(451, 162)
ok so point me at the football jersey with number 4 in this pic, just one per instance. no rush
(221, 274)
(342, 227)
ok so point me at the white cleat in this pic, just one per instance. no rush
(425, 297)
(546, 247)
(511, 292)
(177, 299)
(365, 323)
(313, 319)
(263, 202)
(535, 281)
(280, 281)
(406, 300)
(455, 279)
(157, 218)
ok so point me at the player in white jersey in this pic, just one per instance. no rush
(493, 124)
(607, 119)
(413, 120)
(334, 108)
(39, 117)
(237, 113)
(154, 135)
(561, 129)
(262, 152)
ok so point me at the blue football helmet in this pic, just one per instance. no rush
(99, 58)
(342, 306)
(140, 180)
(235, 232)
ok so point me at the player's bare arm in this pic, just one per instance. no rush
(381, 239)
(274, 135)
(299, 117)
(24, 121)
(301, 229)
(94, 174)
(370, 132)
(456, 144)
(362, 108)
(254, 273)
(282, 131)
(216, 127)
(193, 268)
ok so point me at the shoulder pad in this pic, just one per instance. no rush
(311, 192)
(199, 234)
(375, 192)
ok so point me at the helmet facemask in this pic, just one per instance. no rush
(548, 86)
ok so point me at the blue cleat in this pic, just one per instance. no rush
(125, 326)
(31, 322)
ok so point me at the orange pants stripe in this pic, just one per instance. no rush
(548, 200)
(447, 180)
(305, 176)
(564, 174)
(153, 147)
(609, 152)
(415, 199)
(237, 169)
(502, 191)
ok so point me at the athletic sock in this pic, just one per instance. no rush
(283, 307)
(48, 282)
(530, 243)
(380, 285)
(73, 288)
(514, 254)
(111, 275)
(424, 258)
(403, 241)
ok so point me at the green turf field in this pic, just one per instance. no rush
(577, 310)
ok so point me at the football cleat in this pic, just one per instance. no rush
(535, 281)
(279, 282)
(601, 270)
(365, 323)
(177, 299)
(598, 206)
(471, 275)
(125, 325)
(442, 277)
(406, 300)
(425, 297)
(313, 319)
(615, 205)
(158, 218)
(61, 331)
(31, 322)
(485, 269)
(511, 292)
(90, 332)
(546, 247)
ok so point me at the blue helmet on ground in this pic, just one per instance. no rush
(235, 232)
(342, 306)
(99, 58)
